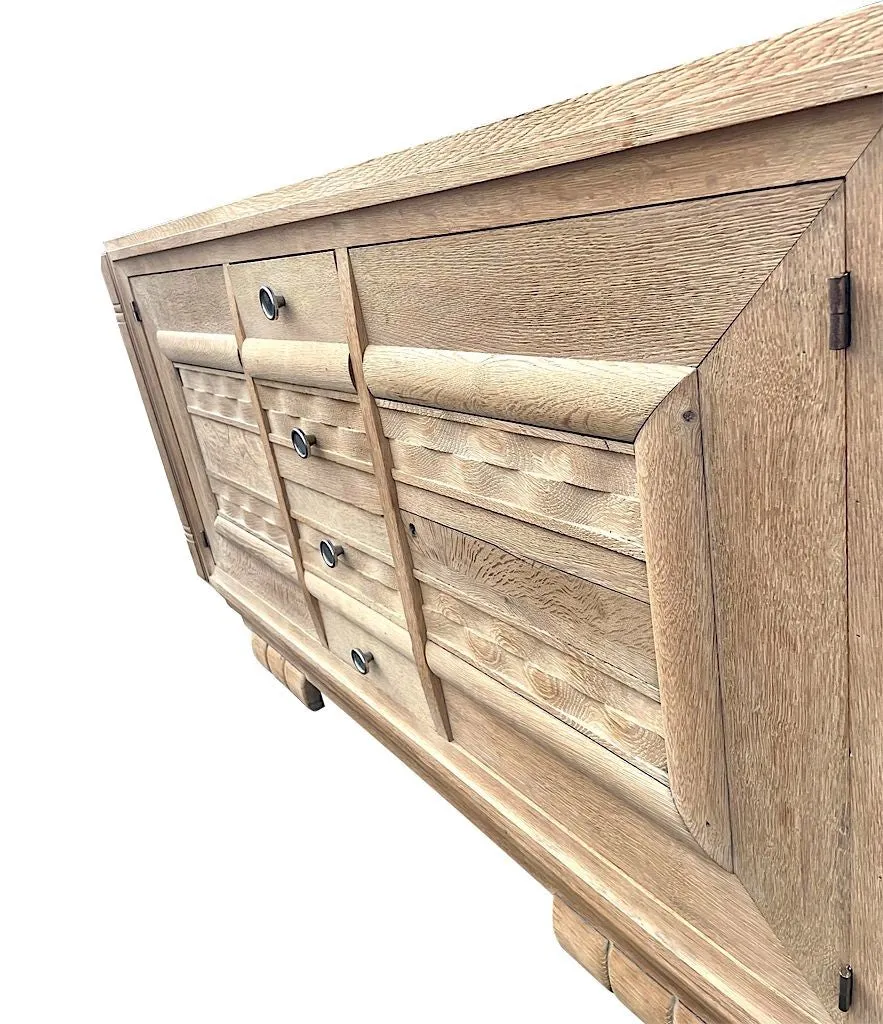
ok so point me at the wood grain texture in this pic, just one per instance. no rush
(538, 753)
(671, 481)
(214, 350)
(388, 498)
(544, 602)
(157, 415)
(598, 562)
(316, 364)
(291, 678)
(220, 396)
(335, 423)
(807, 145)
(864, 373)
(308, 284)
(651, 1002)
(341, 521)
(603, 399)
(584, 943)
(350, 624)
(773, 420)
(826, 63)
(657, 285)
(264, 571)
(591, 698)
(190, 302)
(271, 464)
(647, 999)
(671, 905)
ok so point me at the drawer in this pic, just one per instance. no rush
(345, 563)
(307, 285)
(333, 420)
(390, 670)
(267, 576)
(324, 448)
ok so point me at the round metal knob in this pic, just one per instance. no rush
(270, 302)
(302, 442)
(361, 660)
(330, 552)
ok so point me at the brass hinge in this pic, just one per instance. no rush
(844, 1001)
(137, 311)
(839, 307)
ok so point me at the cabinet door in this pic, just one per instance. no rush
(773, 410)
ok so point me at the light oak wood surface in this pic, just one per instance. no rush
(772, 397)
(657, 285)
(864, 387)
(821, 64)
(602, 496)
(671, 481)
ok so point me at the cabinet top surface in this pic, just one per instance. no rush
(829, 62)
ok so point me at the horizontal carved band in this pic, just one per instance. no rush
(290, 677)
(603, 399)
(312, 364)
(215, 350)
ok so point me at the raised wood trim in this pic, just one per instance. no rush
(288, 522)
(835, 60)
(864, 387)
(599, 398)
(401, 552)
(671, 484)
(217, 351)
(312, 364)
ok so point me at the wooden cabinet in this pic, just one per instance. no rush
(550, 452)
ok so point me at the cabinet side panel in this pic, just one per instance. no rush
(772, 405)
(864, 362)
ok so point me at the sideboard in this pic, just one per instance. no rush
(551, 452)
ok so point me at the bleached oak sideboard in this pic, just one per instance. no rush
(552, 453)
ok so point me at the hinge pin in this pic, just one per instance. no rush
(136, 310)
(844, 1001)
(839, 307)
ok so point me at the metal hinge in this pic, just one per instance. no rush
(205, 542)
(137, 311)
(844, 1001)
(840, 308)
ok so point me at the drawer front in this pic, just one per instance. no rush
(334, 420)
(312, 309)
(391, 672)
(346, 565)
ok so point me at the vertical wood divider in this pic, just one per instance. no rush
(864, 444)
(289, 524)
(380, 454)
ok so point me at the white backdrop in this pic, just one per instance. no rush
(180, 840)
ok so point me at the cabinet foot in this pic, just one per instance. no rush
(651, 1002)
(291, 678)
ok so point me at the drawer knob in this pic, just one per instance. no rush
(330, 552)
(302, 442)
(270, 302)
(361, 660)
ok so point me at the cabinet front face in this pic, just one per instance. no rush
(560, 511)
